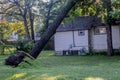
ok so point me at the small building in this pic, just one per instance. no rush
(84, 34)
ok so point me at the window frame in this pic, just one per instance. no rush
(96, 33)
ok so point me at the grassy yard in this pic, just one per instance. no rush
(50, 67)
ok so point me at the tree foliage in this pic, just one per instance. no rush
(98, 8)
(21, 10)
(17, 27)
(49, 11)
(7, 28)
(3, 29)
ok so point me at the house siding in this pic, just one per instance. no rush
(81, 41)
(100, 41)
(63, 40)
(116, 37)
(70, 40)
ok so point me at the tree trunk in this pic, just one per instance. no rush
(32, 30)
(48, 34)
(109, 29)
(26, 28)
(32, 25)
(90, 46)
(109, 40)
(31, 19)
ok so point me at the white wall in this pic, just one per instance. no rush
(81, 41)
(116, 37)
(100, 41)
(63, 40)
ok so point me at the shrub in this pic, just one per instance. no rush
(28, 46)
(25, 46)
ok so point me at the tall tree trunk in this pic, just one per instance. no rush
(32, 24)
(32, 29)
(90, 46)
(46, 36)
(109, 40)
(109, 29)
(26, 28)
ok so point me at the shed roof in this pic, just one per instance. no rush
(81, 23)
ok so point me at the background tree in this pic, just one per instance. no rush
(23, 11)
(3, 30)
(109, 21)
(7, 28)
(111, 9)
(17, 27)
(28, 10)
(49, 12)
(115, 13)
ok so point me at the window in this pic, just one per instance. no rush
(101, 30)
(81, 32)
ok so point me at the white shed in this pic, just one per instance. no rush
(83, 34)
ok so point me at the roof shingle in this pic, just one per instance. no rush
(81, 23)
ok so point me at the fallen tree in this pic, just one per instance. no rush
(16, 60)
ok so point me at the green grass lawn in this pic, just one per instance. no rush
(50, 67)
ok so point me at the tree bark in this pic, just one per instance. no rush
(26, 28)
(109, 40)
(47, 35)
(90, 40)
(110, 50)
(31, 18)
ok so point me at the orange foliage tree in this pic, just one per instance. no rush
(17, 27)
(7, 28)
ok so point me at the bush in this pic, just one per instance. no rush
(25, 46)
(29, 45)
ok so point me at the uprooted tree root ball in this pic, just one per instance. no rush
(14, 60)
